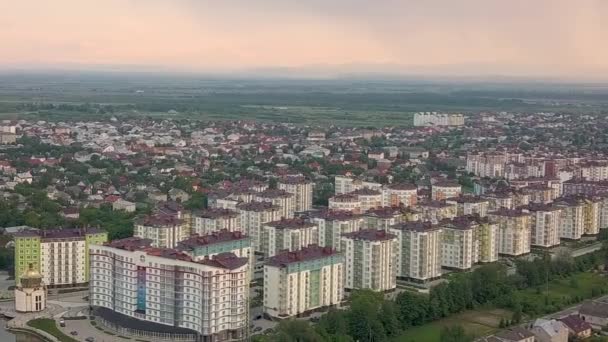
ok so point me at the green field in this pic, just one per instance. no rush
(562, 294)
(476, 323)
(50, 326)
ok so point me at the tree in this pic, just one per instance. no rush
(295, 331)
(454, 334)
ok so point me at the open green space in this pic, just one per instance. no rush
(481, 322)
(50, 326)
(474, 322)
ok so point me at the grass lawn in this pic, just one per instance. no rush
(475, 322)
(49, 326)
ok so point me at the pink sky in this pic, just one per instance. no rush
(544, 37)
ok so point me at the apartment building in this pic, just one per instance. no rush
(436, 211)
(444, 190)
(382, 218)
(540, 194)
(544, 224)
(201, 247)
(301, 281)
(345, 202)
(332, 224)
(577, 186)
(255, 214)
(284, 200)
(513, 231)
(369, 199)
(301, 188)
(165, 231)
(61, 256)
(419, 250)
(344, 185)
(593, 170)
(214, 219)
(470, 205)
(371, 260)
(459, 248)
(288, 234)
(438, 119)
(401, 194)
(169, 291)
(580, 216)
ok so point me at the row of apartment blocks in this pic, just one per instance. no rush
(517, 165)
(438, 119)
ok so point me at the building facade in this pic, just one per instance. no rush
(419, 250)
(304, 280)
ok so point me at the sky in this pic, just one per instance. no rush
(561, 38)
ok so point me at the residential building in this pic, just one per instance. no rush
(549, 330)
(345, 202)
(165, 231)
(544, 224)
(382, 218)
(572, 220)
(61, 256)
(301, 188)
(436, 211)
(595, 313)
(169, 291)
(284, 200)
(304, 280)
(459, 248)
(470, 205)
(288, 234)
(444, 190)
(577, 327)
(438, 119)
(211, 220)
(255, 214)
(513, 231)
(123, 205)
(401, 194)
(344, 185)
(369, 199)
(333, 223)
(371, 258)
(419, 250)
(200, 247)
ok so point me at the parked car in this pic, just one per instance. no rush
(61, 323)
(74, 333)
(89, 339)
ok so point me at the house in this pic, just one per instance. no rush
(123, 205)
(179, 195)
(71, 213)
(24, 177)
(577, 327)
(595, 313)
(550, 331)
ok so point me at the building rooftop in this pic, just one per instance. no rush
(312, 252)
(366, 192)
(66, 233)
(384, 212)
(370, 235)
(258, 206)
(350, 197)
(293, 223)
(417, 226)
(274, 193)
(509, 212)
(294, 180)
(446, 184)
(159, 220)
(403, 186)
(223, 235)
(214, 213)
(335, 215)
(225, 260)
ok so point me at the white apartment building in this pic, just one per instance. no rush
(459, 248)
(255, 214)
(444, 190)
(513, 230)
(419, 250)
(370, 199)
(130, 279)
(572, 220)
(281, 198)
(301, 188)
(288, 234)
(470, 205)
(332, 224)
(594, 170)
(371, 260)
(544, 224)
(403, 194)
(438, 119)
(165, 231)
(301, 281)
(382, 218)
(345, 185)
(345, 202)
(213, 220)
(435, 211)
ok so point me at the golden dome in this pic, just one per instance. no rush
(31, 273)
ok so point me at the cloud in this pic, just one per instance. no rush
(561, 37)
